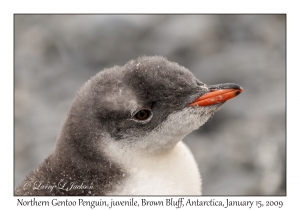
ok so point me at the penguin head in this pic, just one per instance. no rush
(147, 105)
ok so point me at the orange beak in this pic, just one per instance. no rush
(218, 94)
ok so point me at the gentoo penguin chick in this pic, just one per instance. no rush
(122, 135)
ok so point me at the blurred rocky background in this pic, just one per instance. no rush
(241, 151)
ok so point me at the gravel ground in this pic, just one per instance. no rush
(241, 151)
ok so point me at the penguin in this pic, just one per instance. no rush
(123, 133)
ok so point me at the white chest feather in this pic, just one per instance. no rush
(173, 173)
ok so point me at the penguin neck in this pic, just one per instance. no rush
(88, 168)
(128, 152)
(171, 173)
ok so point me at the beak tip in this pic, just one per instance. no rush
(238, 92)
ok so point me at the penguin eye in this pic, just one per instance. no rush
(143, 114)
